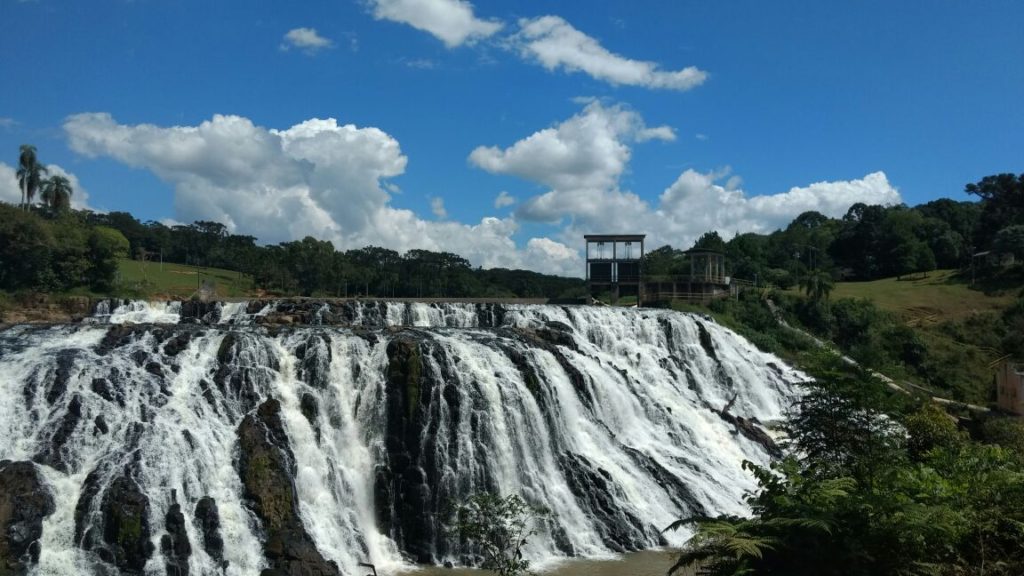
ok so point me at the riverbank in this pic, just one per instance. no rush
(644, 563)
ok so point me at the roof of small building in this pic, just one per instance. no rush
(615, 237)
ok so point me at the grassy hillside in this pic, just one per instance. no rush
(960, 327)
(151, 279)
(938, 297)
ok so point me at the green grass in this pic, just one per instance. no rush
(958, 324)
(937, 297)
(178, 281)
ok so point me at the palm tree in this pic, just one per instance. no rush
(56, 193)
(30, 173)
(817, 284)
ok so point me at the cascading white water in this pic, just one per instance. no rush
(607, 417)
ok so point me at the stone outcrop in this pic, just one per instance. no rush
(267, 466)
(208, 520)
(53, 454)
(25, 501)
(126, 530)
(750, 428)
(619, 529)
(175, 545)
(113, 521)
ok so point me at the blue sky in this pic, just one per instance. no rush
(670, 118)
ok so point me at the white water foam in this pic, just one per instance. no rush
(644, 385)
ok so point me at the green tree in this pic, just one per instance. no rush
(1011, 240)
(710, 241)
(26, 249)
(1002, 197)
(106, 245)
(817, 285)
(30, 173)
(56, 193)
(929, 428)
(495, 529)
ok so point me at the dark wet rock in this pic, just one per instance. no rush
(246, 367)
(530, 377)
(705, 341)
(311, 410)
(314, 357)
(105, 390)
(118, 335)
(100, 425)
(410, 497)
(176, 344)
(155, 369)
(267, 467)
(61, 375)
(404, 374)
(490, 315)
(579, 382)
(174, 545)
(83, 508)
(54, 454)
(561, 538)
(113, 520)
(208, 521)
(139, 357)
(678, 491)
(189, 438)
(619, 529)
(25, 501)
(126, 530)
(207, 389)
(200, 312)
(558, 334)
(750, 428)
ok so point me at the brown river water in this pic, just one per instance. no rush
(646, 563)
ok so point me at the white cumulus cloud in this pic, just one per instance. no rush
(306, 39)
(9, 190)
(504, 199)
(451, 21)
(437, 207)
(555, 44)
(696, 203)
(581, 161)
(318, 178)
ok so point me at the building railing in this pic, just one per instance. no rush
(695, 279)
(666, 295)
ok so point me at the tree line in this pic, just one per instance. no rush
(46, 250)
(312, 267)
(870, 241)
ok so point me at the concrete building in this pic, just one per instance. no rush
(614, 265)
(1010, 386)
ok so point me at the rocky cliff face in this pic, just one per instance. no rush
(267, 468)
(198, 439)
(24, 502)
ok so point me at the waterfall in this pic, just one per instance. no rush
(158, 427)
